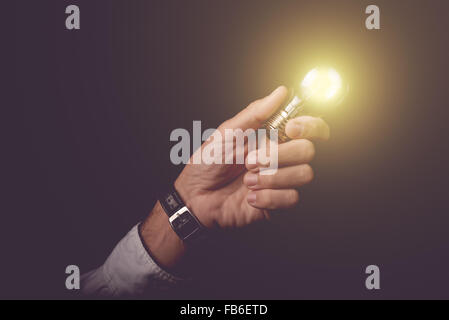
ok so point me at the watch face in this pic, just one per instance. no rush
(185, 224)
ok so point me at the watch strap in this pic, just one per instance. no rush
(184, 222)
(171, 202)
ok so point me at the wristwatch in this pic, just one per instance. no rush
(185, 224)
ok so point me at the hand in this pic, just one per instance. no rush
(235, 195)
(232, 195)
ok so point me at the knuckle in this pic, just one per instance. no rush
(267, 199)
(252, 107)
(268, 180)
(254, 103)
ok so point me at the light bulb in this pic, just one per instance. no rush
(321, 88)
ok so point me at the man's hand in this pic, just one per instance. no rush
(227, 195)
(235, 195)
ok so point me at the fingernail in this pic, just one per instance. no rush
(251, 198)
(296, 129)
(251, 179)
(252, 158)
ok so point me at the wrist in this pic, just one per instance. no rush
(163, 244)
(190, 198)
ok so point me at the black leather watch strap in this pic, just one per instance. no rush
(171, 202)
(182, 220)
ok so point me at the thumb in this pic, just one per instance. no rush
(258, 111)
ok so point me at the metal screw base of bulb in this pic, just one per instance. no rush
(280, 118)
(277, 121)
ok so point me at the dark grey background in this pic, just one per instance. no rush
(89, 113)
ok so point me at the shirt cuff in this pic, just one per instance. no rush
(129, 271)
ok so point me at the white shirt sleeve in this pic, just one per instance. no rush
(128, 271)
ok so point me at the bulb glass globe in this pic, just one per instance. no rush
(321, 85)
(321, 88)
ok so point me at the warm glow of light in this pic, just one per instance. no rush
(321, 84)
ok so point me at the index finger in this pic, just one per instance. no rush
(253, 116)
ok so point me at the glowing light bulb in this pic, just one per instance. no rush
(320, 89)
(321, 84)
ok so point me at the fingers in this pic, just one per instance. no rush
(307, 127)
(284, 178)
(257, 112)
(273, 199)
(290, 153)
(295, 152)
